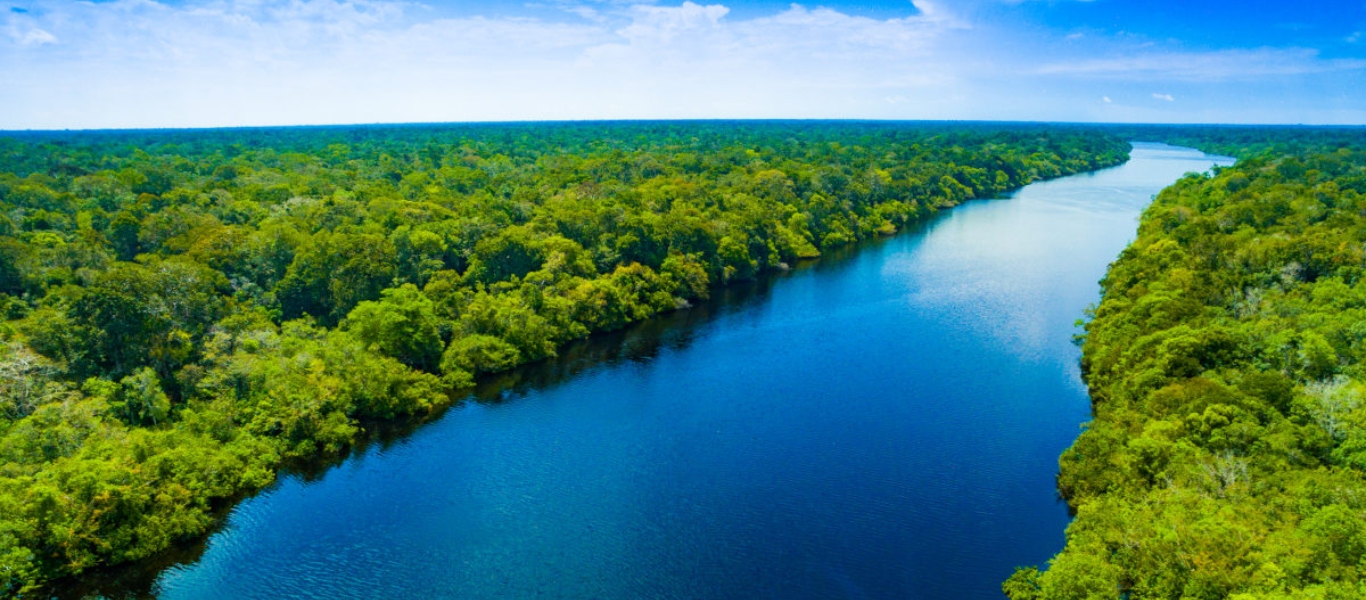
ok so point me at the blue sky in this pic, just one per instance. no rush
(194, 63)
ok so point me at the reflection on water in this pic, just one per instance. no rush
(885, 424)
(1016, 271)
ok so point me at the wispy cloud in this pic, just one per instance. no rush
(665, 23)
(1164, 97)
(22, 29)
(1218, 65)
(30, 36)
(224, 62)
(132, 63)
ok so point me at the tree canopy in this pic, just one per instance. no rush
(1227, 368)
(184, 311)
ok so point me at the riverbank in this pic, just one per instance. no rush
(185, 320)
(1223, 458)
(718, 433)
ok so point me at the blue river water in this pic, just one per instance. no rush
(881, 424)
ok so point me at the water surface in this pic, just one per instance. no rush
(882, 425)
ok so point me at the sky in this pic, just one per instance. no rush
(211, 63)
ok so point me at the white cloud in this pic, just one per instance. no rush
(1219, 65)
(585, 12)
(231, 62)
(135, 63)
(32, 37)
(1105, 99)
(20, 28)
(1164, 97)
(664, 23)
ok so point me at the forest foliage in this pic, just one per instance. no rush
(1227, 368)
(184, 311)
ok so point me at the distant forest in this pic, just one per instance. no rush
(1227, 369)
(185, 311)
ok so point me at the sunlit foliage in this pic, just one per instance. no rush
(1227, 369)
(185, 311)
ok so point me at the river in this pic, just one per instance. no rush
(881, 424)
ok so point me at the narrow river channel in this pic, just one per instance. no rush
(884, 424)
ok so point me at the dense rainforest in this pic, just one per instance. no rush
(1227, 368)
(186, 311)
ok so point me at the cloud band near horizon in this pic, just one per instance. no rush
(142, 63)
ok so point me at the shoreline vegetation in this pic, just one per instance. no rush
(1225, 366)
(186, 311)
